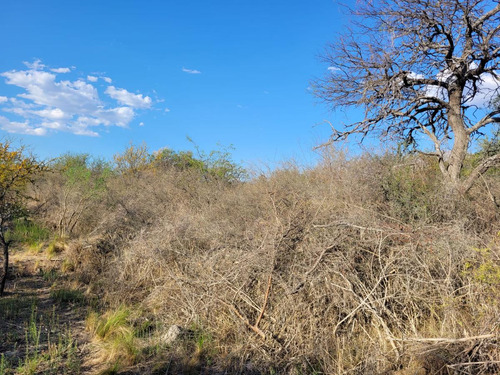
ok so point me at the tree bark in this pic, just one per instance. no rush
(5, 246)
(461, 138)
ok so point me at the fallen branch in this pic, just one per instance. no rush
(269, 282)
(257, 330)
(473, 363)
(343, 223)
(449, 340)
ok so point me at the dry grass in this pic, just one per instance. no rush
(361, 266)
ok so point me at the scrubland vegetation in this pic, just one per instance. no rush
(358, 265)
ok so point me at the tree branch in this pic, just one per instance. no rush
(486, 164)
(488, 119)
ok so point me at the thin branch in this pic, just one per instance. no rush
(488, 119)
(449, 340)
(268, 290)
(245, 320)
(486, 164)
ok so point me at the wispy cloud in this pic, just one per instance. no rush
(35, 65)
(191, 71)
(48, 104)
(61, 70)
(333, 69)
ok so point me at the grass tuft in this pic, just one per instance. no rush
(115, 334)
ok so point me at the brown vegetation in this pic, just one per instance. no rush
(357, 265)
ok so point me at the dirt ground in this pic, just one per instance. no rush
(42, 320)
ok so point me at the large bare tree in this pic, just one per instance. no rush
(420, 69)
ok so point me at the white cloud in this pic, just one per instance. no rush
(120, 116)
(333, 69)
(48, 104)
(191, 71)
(487, 89)
(20, 127)
(125, 97)
(61, 70)
(107, 79)
(141, 124)
(167, 110)
(52, 114)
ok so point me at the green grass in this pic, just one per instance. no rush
(50, 275)
(29, 233)
(68, 296)
(12, 308)
(44, 346)
(55, 247)
(4, 365)
(116, 335)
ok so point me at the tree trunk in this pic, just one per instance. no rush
(461, 139)
(5, 246)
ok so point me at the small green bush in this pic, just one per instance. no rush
(485, 270)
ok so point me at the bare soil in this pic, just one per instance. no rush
(29, 309)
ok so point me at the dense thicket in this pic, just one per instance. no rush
(357, 265)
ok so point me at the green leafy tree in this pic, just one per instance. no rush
(83, 180)
(16, 171)
(133, 160)
(216, 165)
(181, 160)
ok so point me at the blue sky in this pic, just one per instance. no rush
(93, 76)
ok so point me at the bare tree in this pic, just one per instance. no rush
(420, 69)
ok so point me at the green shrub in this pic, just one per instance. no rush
(485, 270)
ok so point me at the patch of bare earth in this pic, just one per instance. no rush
(37, 313)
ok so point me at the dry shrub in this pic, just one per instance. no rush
(346, 267)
